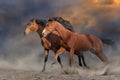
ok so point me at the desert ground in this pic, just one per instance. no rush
(56, 73)
(30, 68)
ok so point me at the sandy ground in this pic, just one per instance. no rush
(30, 69)
(59, 74)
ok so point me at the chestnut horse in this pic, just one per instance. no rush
(75, 42)
(51, 42)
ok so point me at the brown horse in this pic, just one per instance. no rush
(76, 42)
(51, 42)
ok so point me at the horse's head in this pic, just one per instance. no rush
(50, 26)
(31, 26)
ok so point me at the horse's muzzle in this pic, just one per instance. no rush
(44, 35)
(26, 33)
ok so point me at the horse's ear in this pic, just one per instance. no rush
(34, 20)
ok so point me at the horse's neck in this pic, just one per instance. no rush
(64, 33)
(39, 31)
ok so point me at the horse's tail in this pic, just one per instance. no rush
(109, 42)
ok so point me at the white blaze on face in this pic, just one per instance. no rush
(43, 32)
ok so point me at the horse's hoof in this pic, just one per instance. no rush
(87, 67)
(43, 70)
(52, 63)
(61, 66)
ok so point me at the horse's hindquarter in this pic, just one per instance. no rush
(95, 41)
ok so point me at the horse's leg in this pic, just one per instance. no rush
(59, 61)
(71, 56)
(45, 60)
(82, 56)
(100, 55)
(97, 48)
(60, 51)
(55, 59)
(79, 60)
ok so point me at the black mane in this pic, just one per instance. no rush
(65, 23)
(41, 22)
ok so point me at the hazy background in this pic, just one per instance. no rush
(98, 17)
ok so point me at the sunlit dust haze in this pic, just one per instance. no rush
(98, 17)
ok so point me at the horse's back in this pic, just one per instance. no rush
(80, 42)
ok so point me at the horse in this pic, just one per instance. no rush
(51, 42)
(75, 42)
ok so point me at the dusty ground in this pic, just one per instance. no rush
(58, 74)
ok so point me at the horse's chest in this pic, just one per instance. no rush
(46, 43)
(55, 41)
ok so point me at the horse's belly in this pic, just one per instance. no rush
(82, 47)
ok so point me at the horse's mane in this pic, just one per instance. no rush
(64, 22)
(41, 22)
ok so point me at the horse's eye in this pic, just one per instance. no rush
(48, 26)
(29, 24)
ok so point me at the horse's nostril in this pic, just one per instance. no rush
(42, 34)
(24, 33)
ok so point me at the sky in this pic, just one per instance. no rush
(98, 17)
